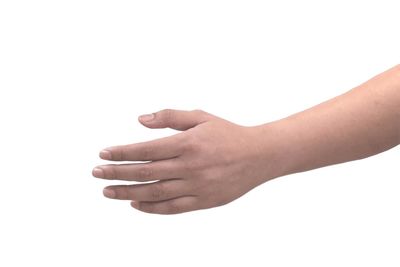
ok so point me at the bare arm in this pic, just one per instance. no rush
(360, 123)
(213, 161)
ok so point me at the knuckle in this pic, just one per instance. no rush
(147, 152)
(191, 143)
(109, 172)
(113, 172)
(122, 153)
(121, 192)
(202, 114)
(199, 111)
(192, 167)
(157, 192)
(170, 118)
(198, 187)
(128, 192)
(167, 115)
(192, 158)
(145, 173)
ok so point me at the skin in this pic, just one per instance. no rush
(212, 161)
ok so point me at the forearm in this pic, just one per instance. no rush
(360, 123)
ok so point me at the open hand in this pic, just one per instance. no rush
(210, 163)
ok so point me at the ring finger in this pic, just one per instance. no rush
(157, 191)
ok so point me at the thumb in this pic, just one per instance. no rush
(174, 119)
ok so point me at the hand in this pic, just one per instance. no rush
(210, 163)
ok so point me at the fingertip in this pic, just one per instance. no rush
(146, 118)
(135, 204)
(107, 192)
(105, 154)
(98, 172)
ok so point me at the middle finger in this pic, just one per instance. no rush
(140, 172)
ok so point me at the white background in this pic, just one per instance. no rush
(74, 76)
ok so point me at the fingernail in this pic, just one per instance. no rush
(146, 117)
(108, 193)
(97, 172)
(105, 154)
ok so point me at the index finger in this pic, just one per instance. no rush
(159, 149)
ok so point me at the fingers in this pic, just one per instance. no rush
(163, 148)
(173, 206)
(175, 119)
(140, 172)
(157, 191)
(169, 195)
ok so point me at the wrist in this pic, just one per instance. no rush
(273, 150)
